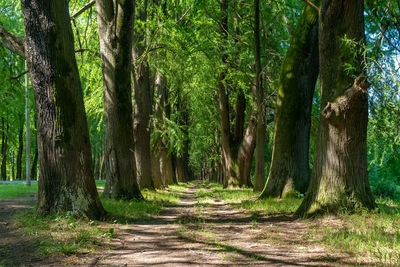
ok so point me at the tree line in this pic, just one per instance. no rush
(145, 94)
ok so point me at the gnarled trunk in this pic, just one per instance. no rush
(339, 179)
(115, 33)
(290, 169)
(66, 174)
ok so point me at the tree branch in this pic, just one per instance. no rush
(83, 9)
(311, 5)
(183, 16)
(12, 42)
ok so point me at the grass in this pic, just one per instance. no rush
(63, 234)
(17, 190)
(372, 236)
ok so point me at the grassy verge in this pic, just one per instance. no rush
(374, 237)
(17, 190)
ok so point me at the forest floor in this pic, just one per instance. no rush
(192, 232)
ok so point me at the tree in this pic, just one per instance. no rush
(259, 176)
(290, 169)
(339, 178)
(236, 149)
(4, 141)
(116, 54)
(66, 174)
(142, 102)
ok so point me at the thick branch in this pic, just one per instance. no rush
(12, 42)
(335, 112)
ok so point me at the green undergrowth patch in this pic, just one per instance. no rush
(125, 211)
(213, 191)
(63, 233)
(272, 205)
(17, 190)
(372, 236)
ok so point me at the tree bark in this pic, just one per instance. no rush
(34, 165)
(339, 179)
(290, 169)
(143, 105)
(20, 152)
(259, 176)
(115, 22)
(4, 141)
(66, 174)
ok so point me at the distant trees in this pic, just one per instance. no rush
(66, 173)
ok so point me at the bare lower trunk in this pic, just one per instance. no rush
(339, 179)
(166, 166)
(66, 174)
(115, 33)
(290, 169)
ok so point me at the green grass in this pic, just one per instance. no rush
(17, 190)
(373, 235)
(244, 198)
(62, 233)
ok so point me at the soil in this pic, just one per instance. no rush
(186, 234)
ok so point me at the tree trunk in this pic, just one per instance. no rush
(115, 33)
(290, 168)
(66, 174)
(34, 165)
(339, 179)
(4, 139)
(246, 152)
(20, 151)
(259, 176)
(143, 105)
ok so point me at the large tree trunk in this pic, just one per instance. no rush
(115, 32)
(339, 179)
(290, 169)
(246, 151)
(259, 176)
(4, 139)
(143, 105)
(66, 174)
(20, 152)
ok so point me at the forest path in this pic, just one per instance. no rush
(191, 233)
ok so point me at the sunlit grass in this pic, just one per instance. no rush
(372, 235)
(17, 190)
